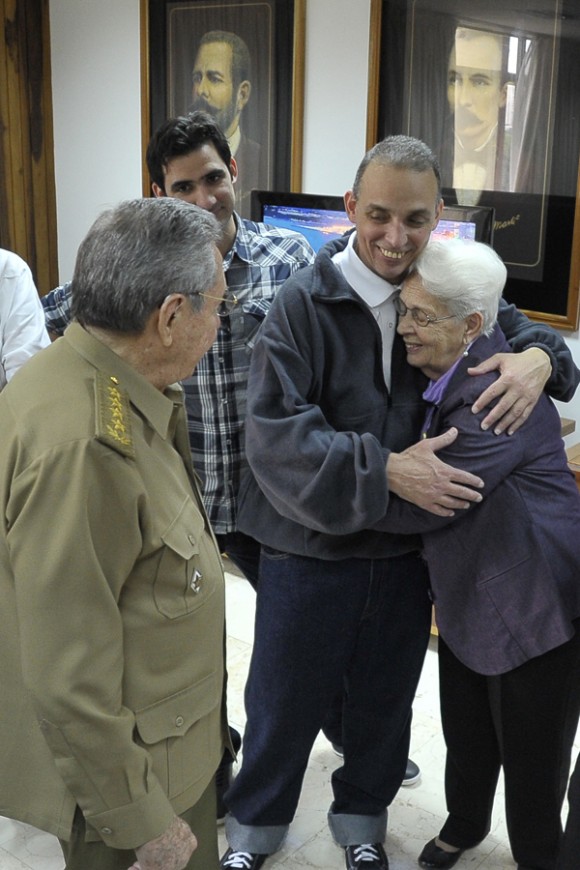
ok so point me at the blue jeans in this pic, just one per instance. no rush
(244, 552)
(362, 624)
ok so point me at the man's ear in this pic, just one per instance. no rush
(243, 95)
(166, 315)
(438, 212)
(350, 204)
(233, 170)
(157, 191)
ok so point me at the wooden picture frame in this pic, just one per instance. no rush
(271, 96)
(423, 54)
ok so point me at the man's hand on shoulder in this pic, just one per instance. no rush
(523, 377)
(418, 476)
(170, 851)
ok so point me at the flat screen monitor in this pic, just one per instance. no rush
(321, 218)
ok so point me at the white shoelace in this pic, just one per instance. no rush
(240, 860)
(366, 852)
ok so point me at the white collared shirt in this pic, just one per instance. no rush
(22, 330)
(376, 292)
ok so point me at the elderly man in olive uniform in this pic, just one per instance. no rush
(112, 618)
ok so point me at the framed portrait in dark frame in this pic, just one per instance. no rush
(241, 60)
(492, 88)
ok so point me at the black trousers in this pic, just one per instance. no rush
(570, 853)
(524, 721)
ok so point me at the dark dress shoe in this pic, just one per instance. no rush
(433, 856)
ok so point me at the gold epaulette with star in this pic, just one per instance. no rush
(114, 415)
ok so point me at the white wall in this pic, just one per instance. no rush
(96, 106)
(97, 124)
(337, 39)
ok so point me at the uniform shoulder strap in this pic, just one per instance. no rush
(113, 415)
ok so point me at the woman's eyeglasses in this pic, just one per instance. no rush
(420, 317)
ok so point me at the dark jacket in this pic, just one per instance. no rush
(505, 574)
(321, 422)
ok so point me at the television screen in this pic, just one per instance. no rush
(318, 225)
(466, 222)
(450, 229)
(321, 218)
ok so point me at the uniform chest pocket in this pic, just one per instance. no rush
(180, 586)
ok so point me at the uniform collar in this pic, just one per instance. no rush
(156, 406)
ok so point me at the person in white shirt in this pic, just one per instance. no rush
(22, 329)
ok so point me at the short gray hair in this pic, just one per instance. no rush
(136, 254)
(404, 152)
(467, 276)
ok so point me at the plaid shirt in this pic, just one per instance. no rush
(261, 259)
(56, 306)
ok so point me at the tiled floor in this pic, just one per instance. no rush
(414, 817)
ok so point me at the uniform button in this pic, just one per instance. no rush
(179, 721)
(191, 539)
(106, 830)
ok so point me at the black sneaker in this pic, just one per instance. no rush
(367, 856)
(412, 772)
(223, 776)
(235, 860)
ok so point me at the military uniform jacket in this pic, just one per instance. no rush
(112, 616)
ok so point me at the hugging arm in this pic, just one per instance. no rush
(417, 475)
(490, 457)
(542, 361)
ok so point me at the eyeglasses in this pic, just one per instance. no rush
(420, 317)
(228, 303)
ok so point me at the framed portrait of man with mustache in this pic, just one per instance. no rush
(235, 60)
(490, 87)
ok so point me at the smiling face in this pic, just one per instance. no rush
(433, 348)
(203, 179)
(394, 214)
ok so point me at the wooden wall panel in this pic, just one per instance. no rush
(27, 188)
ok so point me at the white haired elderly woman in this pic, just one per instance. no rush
(505, 573)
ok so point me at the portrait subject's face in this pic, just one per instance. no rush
(213, 87)
(394, 214)
(474, 91)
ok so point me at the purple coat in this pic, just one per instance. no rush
(505, 573)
